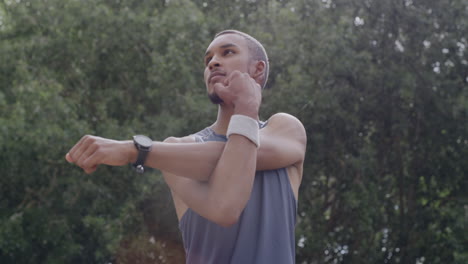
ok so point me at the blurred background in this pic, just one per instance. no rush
(380, 86)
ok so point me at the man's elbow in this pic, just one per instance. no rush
(228, 216)
(227, 221)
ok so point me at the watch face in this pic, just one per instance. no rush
(143, 141)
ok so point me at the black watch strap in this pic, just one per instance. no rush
(139, 164)
(143, 144)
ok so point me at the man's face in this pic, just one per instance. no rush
(224, 55)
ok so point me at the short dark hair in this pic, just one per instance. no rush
(256, 50)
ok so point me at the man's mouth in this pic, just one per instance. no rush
(216, 75)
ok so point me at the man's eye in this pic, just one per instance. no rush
(207, 60)
(228, 51)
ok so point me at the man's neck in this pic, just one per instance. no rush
(222, 121)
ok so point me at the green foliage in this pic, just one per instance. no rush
(381, 87)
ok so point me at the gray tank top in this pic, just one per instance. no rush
(264, 233)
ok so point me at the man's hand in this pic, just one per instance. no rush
(242, 92)
(92, 151)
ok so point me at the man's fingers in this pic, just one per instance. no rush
(90, 151)
(218, 86)
(73, 150)
(93, 158)
(86, 169)
(90, 170)
(234, 74)
(69, 158)
(79, 147)
(81, 152)
(86, 154)
(220, 89)
(223, 92)
(82, 146)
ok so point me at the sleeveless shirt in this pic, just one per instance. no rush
(264, 233)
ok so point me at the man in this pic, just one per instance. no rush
(234, 184)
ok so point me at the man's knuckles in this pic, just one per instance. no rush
(89, 139)
(234, 74)
(93, 150)
(89, 170)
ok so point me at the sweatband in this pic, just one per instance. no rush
(244, 126)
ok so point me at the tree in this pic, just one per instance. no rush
(381, 88)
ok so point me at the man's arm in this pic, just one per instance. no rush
(222, 198)
(230, 168)
(282, 143)
(283, 148)
(239, 91)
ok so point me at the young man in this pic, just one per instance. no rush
(234, 184)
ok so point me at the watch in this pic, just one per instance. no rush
(143, 145)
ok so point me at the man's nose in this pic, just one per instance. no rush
(214, 63)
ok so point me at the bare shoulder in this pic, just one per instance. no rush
(285, 119)
(287, 139)
(288, 124)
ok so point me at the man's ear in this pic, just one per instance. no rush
(258, 71)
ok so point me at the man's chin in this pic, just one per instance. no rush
(215, 99)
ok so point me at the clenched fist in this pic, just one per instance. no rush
(92, 151)
(242, 92)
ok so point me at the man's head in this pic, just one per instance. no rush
(233, 50)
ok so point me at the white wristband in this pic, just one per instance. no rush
(244, 126)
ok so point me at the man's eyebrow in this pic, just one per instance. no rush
(225, 46)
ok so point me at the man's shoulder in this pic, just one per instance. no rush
(287, 126)
(196, 137)
(282, 119)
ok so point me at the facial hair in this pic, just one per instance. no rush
(215, 99)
